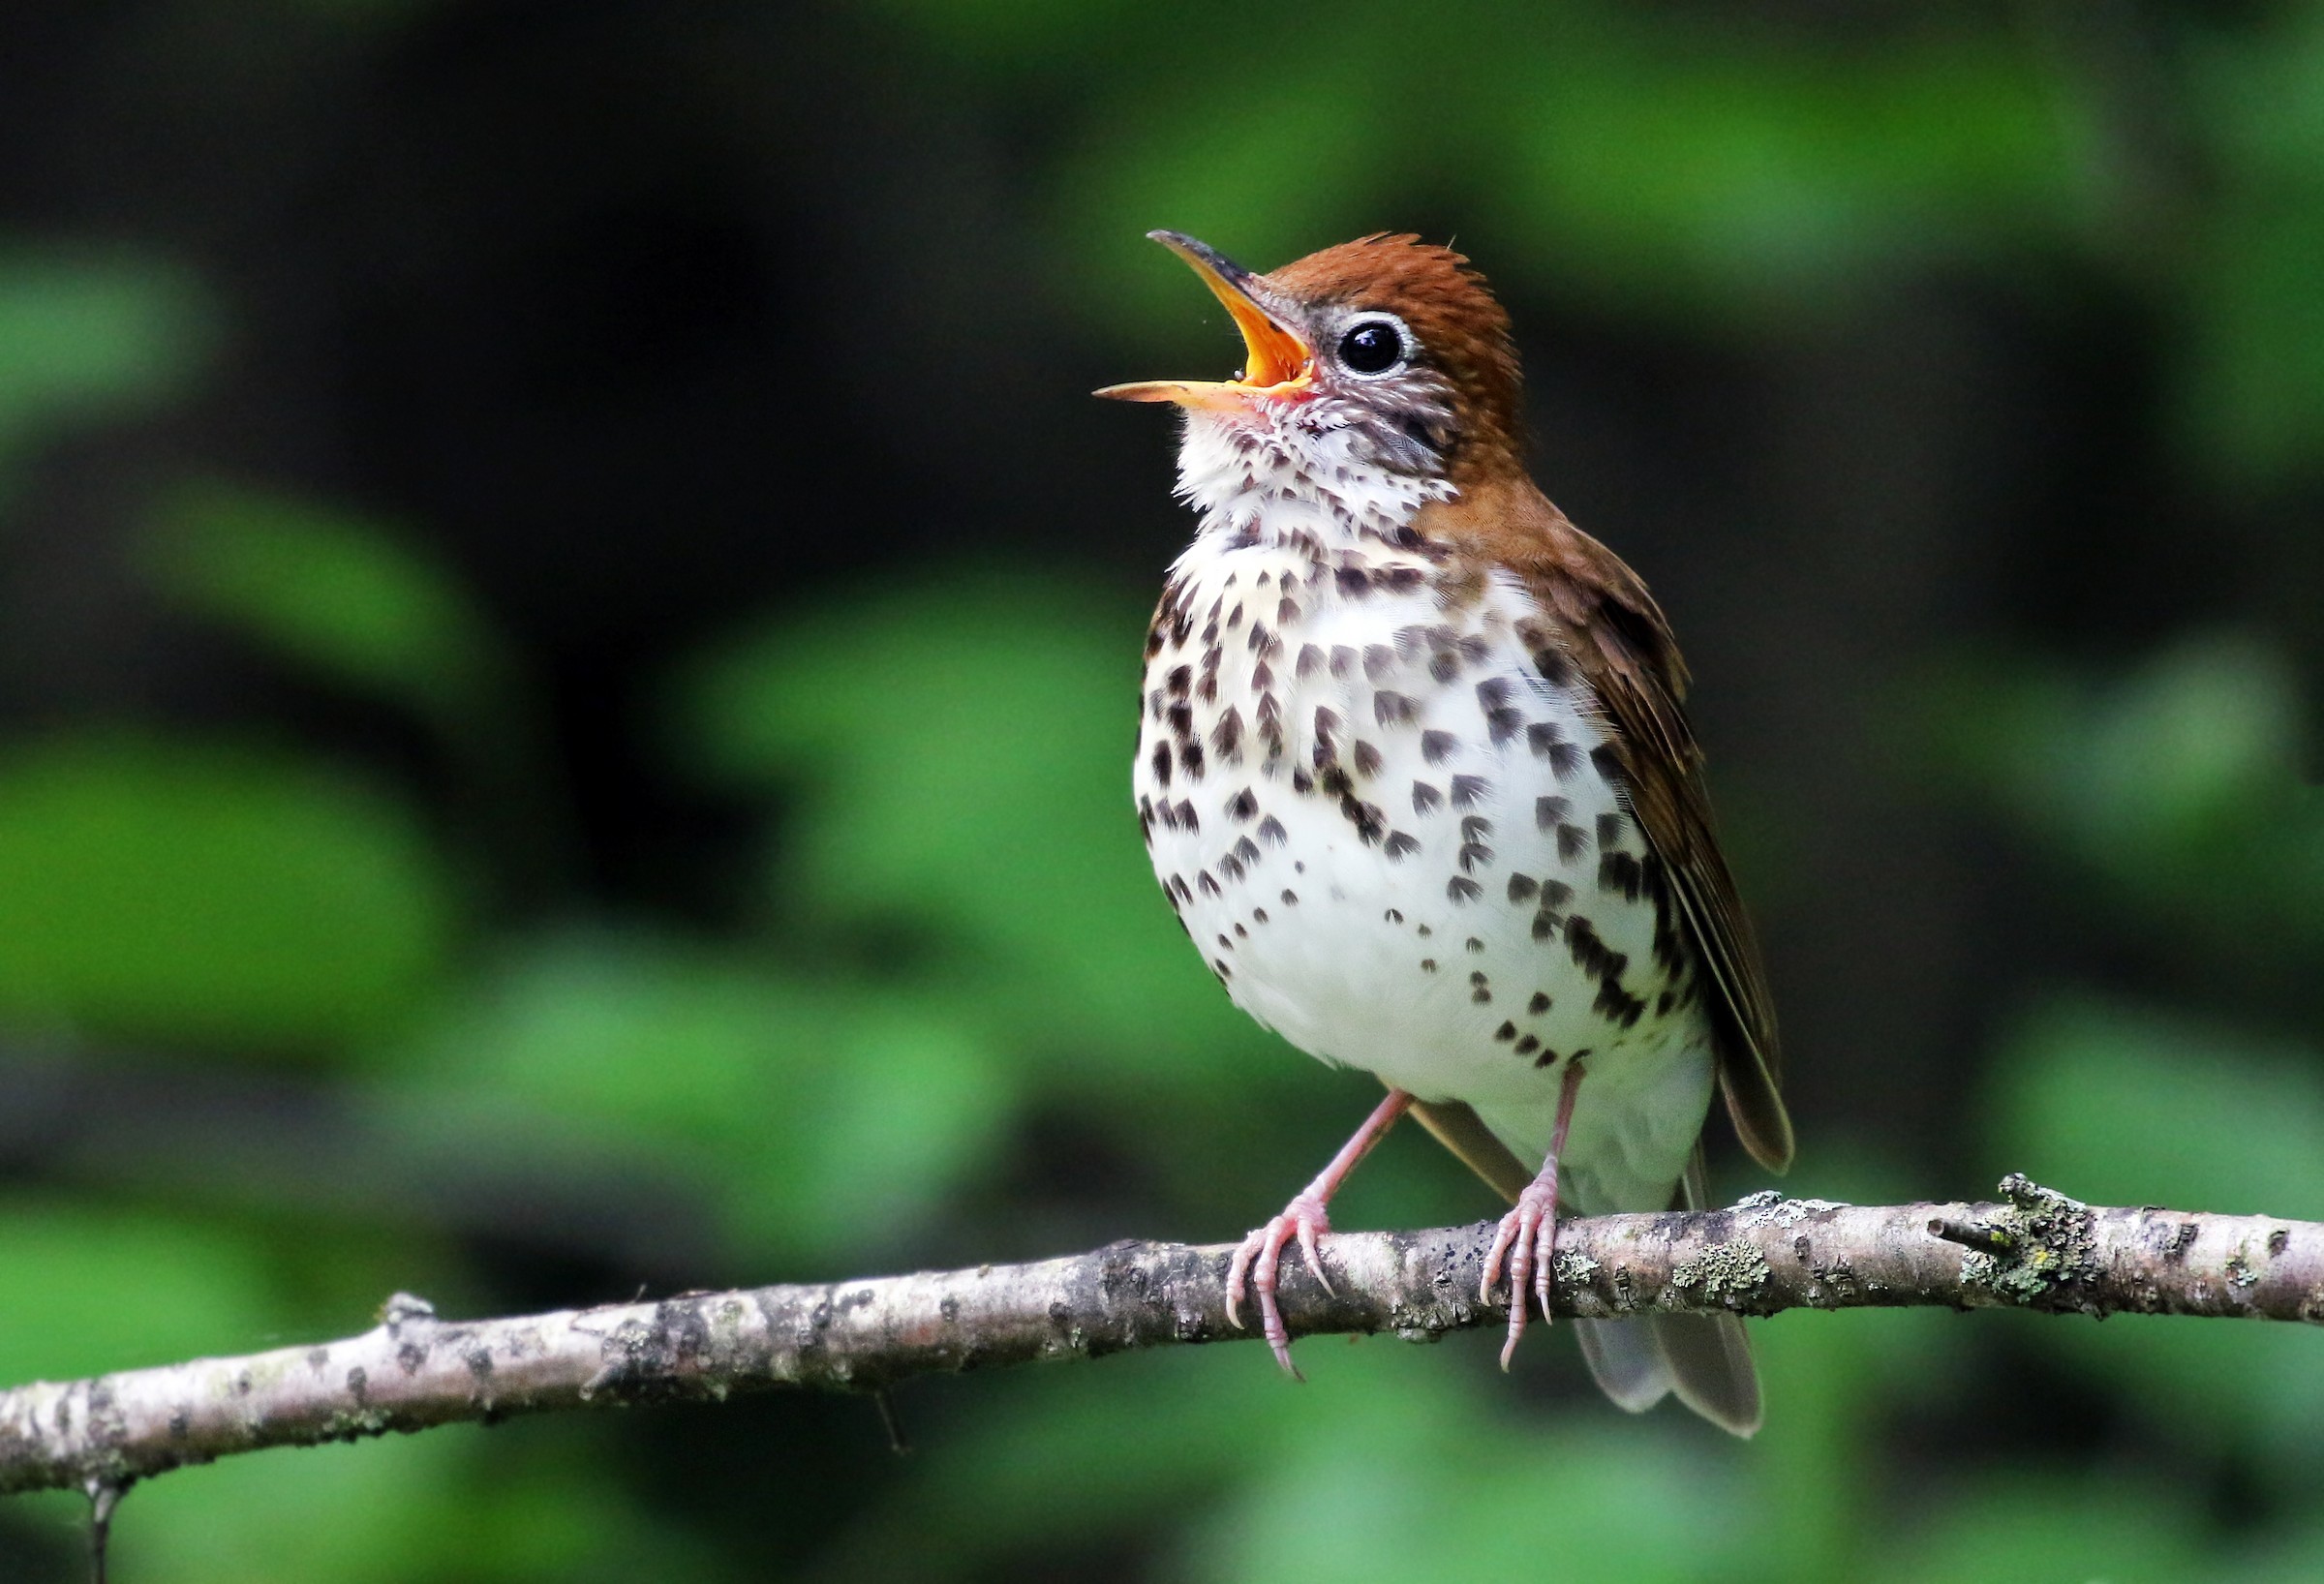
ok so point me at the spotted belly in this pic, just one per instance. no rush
(1392, 837)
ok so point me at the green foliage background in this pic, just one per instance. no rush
(368, 1019)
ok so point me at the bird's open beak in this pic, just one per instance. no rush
(1276, 362)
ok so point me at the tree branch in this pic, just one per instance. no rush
(2034, 1250)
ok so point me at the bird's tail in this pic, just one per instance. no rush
(1704, 1360)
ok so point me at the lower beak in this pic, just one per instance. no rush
(1276, 362)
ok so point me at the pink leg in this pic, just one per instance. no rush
(1303, 1218)
(1528, 1234)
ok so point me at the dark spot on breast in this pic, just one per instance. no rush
(1467, 789)
(1474, 944)
(1474, 855)
(1311, 658)
(1287, 612)
(1528, 1046)
(1270, 831)
(1301, 782)
(1227, 736)
(1246, 849)
(1427, 964)
(1565, 759)
(1425, 799)
(1521, 887)
(1475, 827)
(1242, 805)
(1378, 662)
(1181, 721)
(1205, 884)
(1353, 581)
(1462, 889)
(1619, 871)
(1291, 899)
(1401, 845)
(1555, 669)
(1190, 760)
(1401, 579)
(1180, 678)
(1438, 747)
(1507, 1031)
(1539, 1004)
(1541, 737)
(1186, 819)
(1606, 762)
(1392, 709)
(1367, 758)
(1571, 843)
(1610, 830)
(1218, 966)
(1545, 923)
(1548, 811)
(1159, 764)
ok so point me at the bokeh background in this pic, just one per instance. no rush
(567, 638)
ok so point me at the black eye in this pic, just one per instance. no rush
(1373, 347)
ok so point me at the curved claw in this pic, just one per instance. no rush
(1527, 1239)
(1256, 1264)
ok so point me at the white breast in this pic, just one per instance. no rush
(1386, 832)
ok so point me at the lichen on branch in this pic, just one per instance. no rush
(2032, 1249)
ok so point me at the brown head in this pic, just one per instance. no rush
(1388, 341)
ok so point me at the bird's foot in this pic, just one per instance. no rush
(1526, 1239)
(1258, 1261)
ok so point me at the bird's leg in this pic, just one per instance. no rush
(1528, 1234)
(1305, 1218)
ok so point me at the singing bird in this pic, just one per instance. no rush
(1414, 769)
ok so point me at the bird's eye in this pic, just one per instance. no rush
(1373, 347)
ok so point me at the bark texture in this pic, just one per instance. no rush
(2032, 1249)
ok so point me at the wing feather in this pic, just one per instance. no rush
(1599, 621)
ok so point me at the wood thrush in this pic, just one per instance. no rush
(1414, 771)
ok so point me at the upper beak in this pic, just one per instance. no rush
(1276, 361)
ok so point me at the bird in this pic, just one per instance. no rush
(1415, 771)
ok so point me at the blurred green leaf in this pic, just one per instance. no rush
(1652, 163)
(84, 336)
(2043, 1528)
(962, 762)
(444, 1505)
(821, 1117)
(2251, 397)
(334, 593)
(151, 889)
(2178, 784)
(85, 1290)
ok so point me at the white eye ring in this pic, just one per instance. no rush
(1363, 352)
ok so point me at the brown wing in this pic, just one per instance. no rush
(1604, 627)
